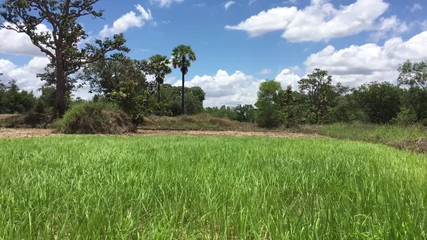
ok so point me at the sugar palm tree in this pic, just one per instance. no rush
(182, 56)
(158, 66)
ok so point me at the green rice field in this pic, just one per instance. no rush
(194, 187)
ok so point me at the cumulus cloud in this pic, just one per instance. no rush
(129, 20)
(25, 75)
(165, 3)
(357, 65)
(388, 27)
(226, 89)
(228, 4)
(15, 43)
(237, 88)
(319, 21)
(288, 77)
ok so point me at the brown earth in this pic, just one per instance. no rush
(36, 132)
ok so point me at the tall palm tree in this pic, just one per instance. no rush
(158, 66)
(182, 56)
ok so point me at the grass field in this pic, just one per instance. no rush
(410, 137)
(172, 187)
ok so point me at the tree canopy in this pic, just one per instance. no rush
(61, 43)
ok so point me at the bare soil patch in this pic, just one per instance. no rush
(24, 132)
(37, 132)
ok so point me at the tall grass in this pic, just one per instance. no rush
(171, 187)
(410, 137)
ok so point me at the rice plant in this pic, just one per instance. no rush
(175, 187)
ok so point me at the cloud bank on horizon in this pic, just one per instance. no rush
(356, 43)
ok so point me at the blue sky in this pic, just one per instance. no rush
(241, 43)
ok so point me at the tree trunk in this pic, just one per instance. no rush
(158, 93)
(60, 104)
(182, 95)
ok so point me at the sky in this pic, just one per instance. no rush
(241, 43)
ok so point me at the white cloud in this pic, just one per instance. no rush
(165, 3)
(357, 65)
(226, 89)
(129, 20)
(388, 27)
(237, 88)
(318, 21)
(228, 4)
(267, 21)
(416, 7)
(288, 77)
(15, 43)
(25, 75)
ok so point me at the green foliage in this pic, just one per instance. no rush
(46, 102)
(158, 66)
(380, 101)
(289, 108)
(182, 56)
(413, 137)
(405, 117)
(171, 103)
(95, 117)
(121, 80)
(166, 187)
(13, 100)
(200, 122)
(61, 44)
(268, 104)
(414, 77)
(321, 95)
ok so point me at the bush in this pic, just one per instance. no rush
(95, 117)
(405, 117)
(29, 119)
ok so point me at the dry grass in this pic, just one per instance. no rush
(197, 122)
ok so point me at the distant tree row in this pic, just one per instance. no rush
(318, 101)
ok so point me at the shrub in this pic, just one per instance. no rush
(405, 117)
(95, 117)
(29, 119)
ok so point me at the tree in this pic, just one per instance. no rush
(120, 79)
(268, 105)
(380, 101)
(158, 66)
(61, 44)
(320, 92)
(414, 77)
(182, 58)
(14, 100)
(288, 107)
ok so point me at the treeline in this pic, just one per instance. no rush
(16, 101)
(318, 101)
(119, 80)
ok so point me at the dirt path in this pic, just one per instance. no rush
(32, 132)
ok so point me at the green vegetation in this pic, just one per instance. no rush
(13, 100)
(95, 117)
(410, 137)
(201, 121)
(209, 188)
